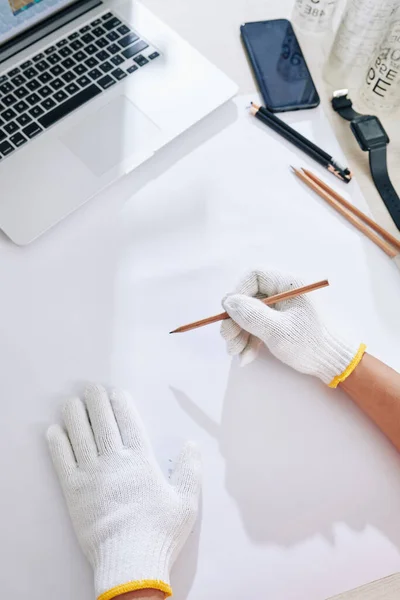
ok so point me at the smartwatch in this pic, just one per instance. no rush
(372, 138)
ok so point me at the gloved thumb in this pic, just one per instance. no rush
(251, 314)
(186, 477)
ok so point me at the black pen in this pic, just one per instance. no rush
(301, 142)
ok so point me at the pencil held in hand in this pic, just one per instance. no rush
(270, 300)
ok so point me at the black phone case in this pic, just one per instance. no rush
(258, 75)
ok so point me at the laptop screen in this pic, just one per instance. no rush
(18, 15)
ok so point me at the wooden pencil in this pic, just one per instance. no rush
(388, 248)
(270, 300)
(385, 234)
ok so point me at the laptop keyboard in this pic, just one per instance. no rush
(49, 86)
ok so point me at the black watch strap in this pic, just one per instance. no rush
(344, 106)
(380, 175)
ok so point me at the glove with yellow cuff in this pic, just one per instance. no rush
(292, 329)
(131, 522)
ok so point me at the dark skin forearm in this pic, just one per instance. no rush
(375, 388)
(142, 595)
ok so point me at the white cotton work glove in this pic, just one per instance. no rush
(292, 329)
(130, 521)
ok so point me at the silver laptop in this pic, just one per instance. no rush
(88, 91)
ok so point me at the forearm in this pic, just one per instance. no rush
(142, 595)
(375, 388)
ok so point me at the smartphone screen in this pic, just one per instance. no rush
(279, 65)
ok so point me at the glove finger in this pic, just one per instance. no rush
(80, 433)
(238, 344)
(102, 418)
(267, 283)
(251, 314)
(229, 330)
(130, 424)
(61, 451)
(250, 352)
(186, 478)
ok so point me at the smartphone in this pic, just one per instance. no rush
(279, 65)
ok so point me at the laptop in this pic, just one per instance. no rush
(89, 90)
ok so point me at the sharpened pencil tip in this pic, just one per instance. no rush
(293, 168)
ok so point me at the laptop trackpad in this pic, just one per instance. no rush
(111, 135)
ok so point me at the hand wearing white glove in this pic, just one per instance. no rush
(292, 329)
(131, 523)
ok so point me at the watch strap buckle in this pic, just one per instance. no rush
(340, 100)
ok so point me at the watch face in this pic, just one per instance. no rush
(369, 132)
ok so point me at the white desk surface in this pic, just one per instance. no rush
(301, 493)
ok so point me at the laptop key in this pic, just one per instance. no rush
(50, 50)
(45, 91)
(106, 16)
(91, 49)
(61, 96)
(68, 63)
(24, 119)
(112, 36)
(18, 139)
(42, 66)
(98, 32)
(70, 105)
(106, 82)
(21, 106)
(61, 43)
(33, 85)
(83, 81)
(91, 62)
(56, 70)
(30, 73)
(65, 52)
(6, 148)
(68, 76)
(45, 77)
(123, 30)
(80, 69)
(3, 78)
(38, 57)
(9, 100)
(48, 104)
(18, 80)
(154, 55)
(95, 74)
(8, 114)
(87, 38)
(132, 69)
(111, 24)
(33, 99)
(77, 45)
(135, 49)
(118, 74)
(141, 60)
(96, 23)
(128, 40)
(102, 42)
(117, 60)
(36, 111)
(73, 36)
(14, 72)
(32, 130)
(113, 49)
(72, 88)
(106, 67)
(57, 84)
(84, 29)
(54, 59)
(6, 88)
(21, 92)
(79, 56)
(2, 135)
(26, 64)
(11, 127)
(102, 55)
